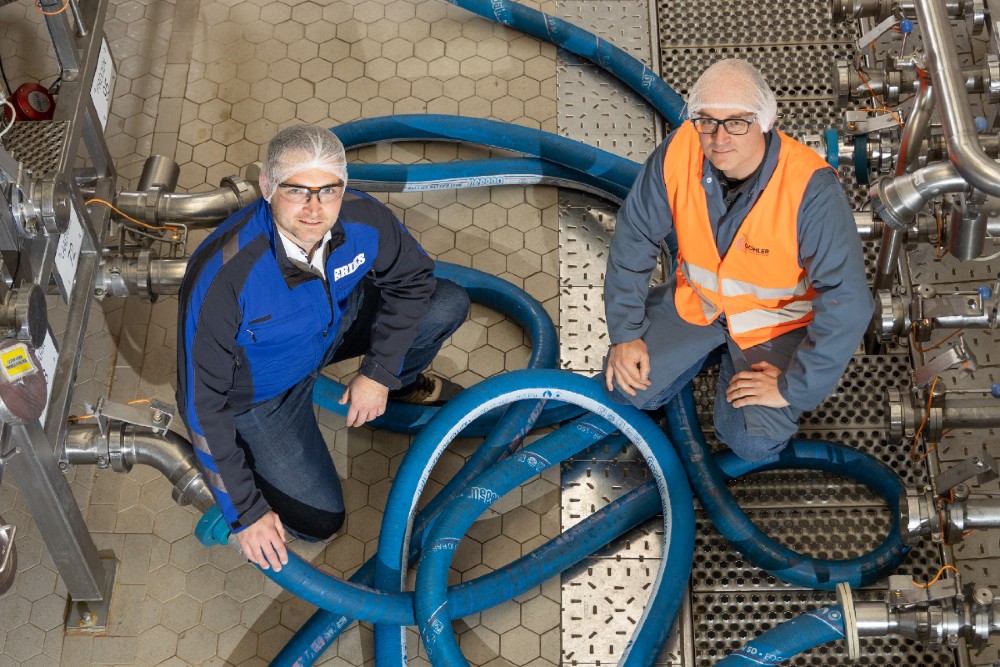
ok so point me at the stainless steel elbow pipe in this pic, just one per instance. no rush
(128, 445)
(155, 203)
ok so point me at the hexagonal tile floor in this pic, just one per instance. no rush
(208, 82)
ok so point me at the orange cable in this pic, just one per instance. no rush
(937, 576)
(38, 8)
(940, 342)
(127, 217)
(927, 414)
(882, 105)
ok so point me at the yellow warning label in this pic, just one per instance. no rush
(15, 362)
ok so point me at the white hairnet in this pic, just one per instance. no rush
(300, 148)
(734, 84)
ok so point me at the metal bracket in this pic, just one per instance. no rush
(958, 355)
(903, 591)
(157, 416)
(983, 467)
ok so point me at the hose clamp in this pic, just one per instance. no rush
(846, 601)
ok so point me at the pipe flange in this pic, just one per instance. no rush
(841, 81)
(30, 314)
(846, 601)
(142, 269)
(118, 454)
(55, 194)
(894, 412)
(978, 15)
(992, 71)
(246, 192)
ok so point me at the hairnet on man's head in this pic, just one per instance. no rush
(734, 84)
(301, 148)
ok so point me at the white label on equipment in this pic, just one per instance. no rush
(876, 32)
(104, 84)
(68, 254)
(48, 358)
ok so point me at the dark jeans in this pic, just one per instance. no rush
(280, 436)
(730, 423)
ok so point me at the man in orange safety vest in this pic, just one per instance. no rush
(769, 276)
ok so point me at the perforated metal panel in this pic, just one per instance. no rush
(731, 601)
(38, 144)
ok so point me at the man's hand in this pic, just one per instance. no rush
(263, 542)
(756, 387)
(628, 365)
(367, 399)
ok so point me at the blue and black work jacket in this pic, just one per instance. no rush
(251, 325)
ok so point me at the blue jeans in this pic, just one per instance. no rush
(281, 439)
(730, 423)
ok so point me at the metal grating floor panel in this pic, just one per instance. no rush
(38, 144)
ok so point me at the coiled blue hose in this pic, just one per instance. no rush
(467, 598)
(573, 154)
(602, 53)
(709, 484)
(783, 642)
(478, 174)
(499, 295)
(542, 384)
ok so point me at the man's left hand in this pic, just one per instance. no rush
(366, 399)
(756, 387)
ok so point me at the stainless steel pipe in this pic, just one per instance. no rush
(128, 445)
(953, 104)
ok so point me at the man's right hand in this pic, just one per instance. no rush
(628, 366)
(263, 542)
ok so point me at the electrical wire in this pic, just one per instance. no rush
(128, 217)
(38, 8)
(13, 117)
(936, 577)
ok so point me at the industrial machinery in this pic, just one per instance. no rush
(917, 139)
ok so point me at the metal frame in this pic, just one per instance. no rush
(36, 461)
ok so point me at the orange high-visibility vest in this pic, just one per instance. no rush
(759, 285)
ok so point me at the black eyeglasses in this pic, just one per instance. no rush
(301, 194)
(733, 125)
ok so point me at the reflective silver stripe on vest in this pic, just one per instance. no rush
(704, 278)
(751, 320)
(731, 287)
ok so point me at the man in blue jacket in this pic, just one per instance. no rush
(309, 275)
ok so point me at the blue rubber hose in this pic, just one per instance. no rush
(783, 642)
(602, 53)
(504, 439)
(479, 174)
(389, 576)
(499, 295)
(709, 483)
(432, 612)
(564, 551)
(567, 387)
(440, 127)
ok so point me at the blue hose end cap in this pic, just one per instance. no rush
(212, 528)
(906, 26)
(981, 124)
(985, 292)
(832, 147)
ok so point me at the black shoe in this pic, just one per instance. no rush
(427, 389)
